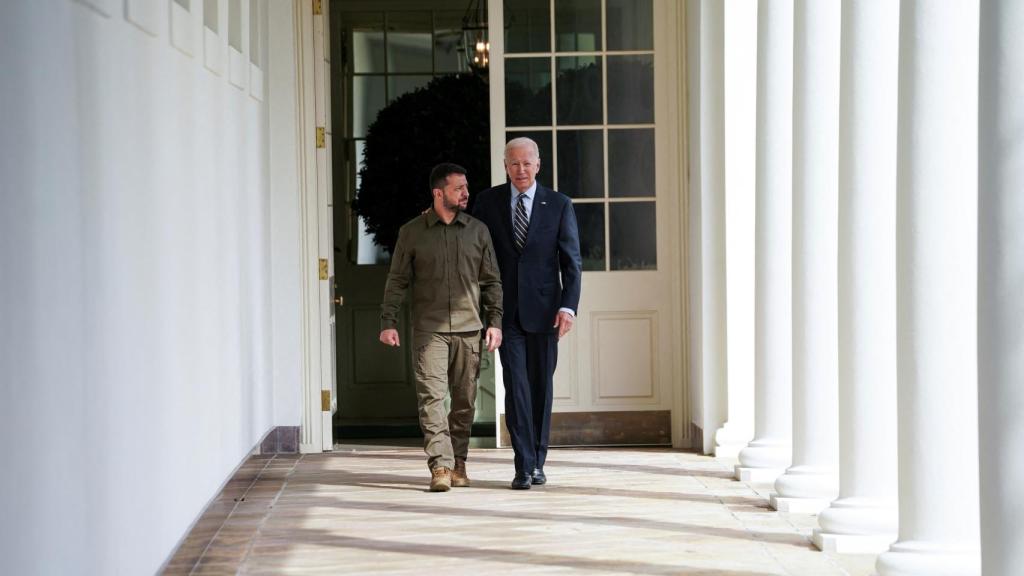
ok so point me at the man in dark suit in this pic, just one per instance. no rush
(538, 248)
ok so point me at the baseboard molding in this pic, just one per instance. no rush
(281, 440)
(696, 437)
(368, 431)
(632, 428)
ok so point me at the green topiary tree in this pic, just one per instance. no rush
(447, 120)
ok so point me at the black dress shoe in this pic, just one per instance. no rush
(522, 481)
(538, 476)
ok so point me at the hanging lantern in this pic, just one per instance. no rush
(476, 47)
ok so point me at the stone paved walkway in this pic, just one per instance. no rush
(604, 511)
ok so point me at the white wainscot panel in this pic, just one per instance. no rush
(625, 367)
(213, 50)
(104, 7)
(145, 14)
(183, 28)
(238, 66)
(565, 386)
(256, 82)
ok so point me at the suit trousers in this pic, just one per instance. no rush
(528, 361)
(446, 363)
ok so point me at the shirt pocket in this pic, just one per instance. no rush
(470, 253)
(429, 263)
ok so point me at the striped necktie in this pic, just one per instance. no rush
(520, 223)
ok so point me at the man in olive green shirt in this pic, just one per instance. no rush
(448, 258)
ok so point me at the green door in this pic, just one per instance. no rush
(379, 51)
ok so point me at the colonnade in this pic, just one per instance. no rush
(889, 274)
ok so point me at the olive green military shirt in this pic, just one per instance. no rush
(449, 266)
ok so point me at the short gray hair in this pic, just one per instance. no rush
(522, 142)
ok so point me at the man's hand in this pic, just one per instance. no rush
(389, 336)
(564, 322)
(492, 339)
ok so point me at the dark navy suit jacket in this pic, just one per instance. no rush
(547, 275)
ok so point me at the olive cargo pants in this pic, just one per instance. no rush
(446, 362)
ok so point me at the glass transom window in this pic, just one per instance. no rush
(391, 53)
(579, 80)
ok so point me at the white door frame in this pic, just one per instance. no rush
(319, 400)
(675, 120)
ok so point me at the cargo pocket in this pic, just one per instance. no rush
(420, 341)
(476, 345)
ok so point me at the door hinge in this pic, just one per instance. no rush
(318, 7)
(321, 139)
(323, 268)
(325, 400)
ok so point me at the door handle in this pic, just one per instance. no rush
(339, 300)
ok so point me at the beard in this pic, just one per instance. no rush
(453, 206)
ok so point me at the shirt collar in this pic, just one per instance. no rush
(529, 191)
(433, 218)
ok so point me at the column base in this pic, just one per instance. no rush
(767, 453)
(860, 516)
(729, 442)
(757, 475)
(914, 558)
(798, 505)
(806, 482)
(852, 543)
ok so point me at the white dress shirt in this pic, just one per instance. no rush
(527, 201)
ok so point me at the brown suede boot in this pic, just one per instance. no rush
(459, 477)
(440, 479)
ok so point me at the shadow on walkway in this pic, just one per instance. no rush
(407, 454)
(418, 483)
(524, 515)
(512, 557)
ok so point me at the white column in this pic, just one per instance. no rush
(740, 60)
(707, 218)
(768, 454)
(863, 519)
(496, 95)
(937, 291)
(712, 173)
(811, 482)
(1001, 267)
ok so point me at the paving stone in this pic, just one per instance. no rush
(607, 511)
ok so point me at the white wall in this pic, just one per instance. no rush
(694, 268)
(135, 286)
(285, 217)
